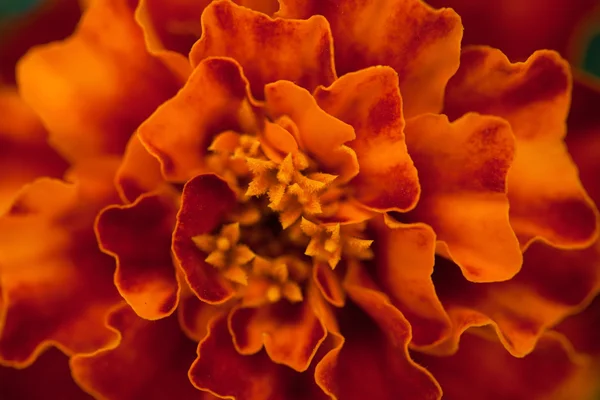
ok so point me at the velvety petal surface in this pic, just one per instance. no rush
(213, 100)
(49, 374)
(373, 361)
(483, 369)
(404, 260)
(463, 170)
(370, 101)
(150, 361)
(56, 284)
(582, 329)
(24, 153)
(268, 49)
(194, 314)
(420, 43)
(205, 203)
(221, 370)
(94, 89)
(138, 236)
(552, 284)
(547, 200)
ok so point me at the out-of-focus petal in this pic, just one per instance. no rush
(24, 153)
(213, 100)
(373, 362)
(369, 100)
(94, 89)
(57, 285)
(328, 283)
(291, 333)
(267, 49)
(205, 203)
(138, 236)
(552, 284)
(321, 135)
(420, 43)
(483, 369)
(582, 329)
(462, 170)
(547, 200)
(49, 374)
(404, 259)
(221, 370)
(194, 314)
(149, 362)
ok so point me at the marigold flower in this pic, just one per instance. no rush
(294, 200)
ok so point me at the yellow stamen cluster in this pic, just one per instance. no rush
(277, 271)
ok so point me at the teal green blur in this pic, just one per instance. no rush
(13, 8)
(591, 60)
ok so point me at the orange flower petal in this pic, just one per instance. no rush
(582, 329)
(138, 236)
(49, 374)
(320, 134)
(404, 259)
(194, 315)
(206, 201)
(420, 43)
(268, 50)
(551, 285)
(329, 284)
(221, 370)
(291, 333)
(57, 285)
(150, 361)
(138, 173)
(61, 82)
(483, 369)
(370, 101)
(24, 153)
(373, 361)
(212, 101)
(546, 198)
(462, 169)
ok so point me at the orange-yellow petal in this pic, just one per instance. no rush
(49, 374)
(149, 362)
(321, 135)
(138, 236)
(268, 49)
(57, 286)
(462, 169)
(369, 101)
(404, 259)
(329, 284)
(215, 99)
(94, 89)
(24, 153)
(205, 203)
(373, 361)
(291, 333)
(546, 198)
(420, 43)
(483, 369)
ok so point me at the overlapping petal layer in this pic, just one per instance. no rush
(56, 284)
(369, 101)
(138, 236)
(547, 200)
(421, 44)
(61, 83)
(462, 169)
(150, 361)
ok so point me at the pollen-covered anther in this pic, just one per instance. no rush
(328, 243)
(226, 253)
(278, 273)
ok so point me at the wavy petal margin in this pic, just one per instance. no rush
(463, 170)
(547, 200)
(268, 49)
(60, 81)
(420, 43)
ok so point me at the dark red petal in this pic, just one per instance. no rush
(206, 201)
(268, 50)
(221, 370)
(370, 101)
(150, 361)
(194, 314)
(582, 329)
(138, 236)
